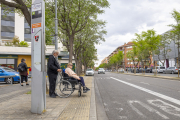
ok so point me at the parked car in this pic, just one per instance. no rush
(5, 71)
(159, 69)
(137, 70)
(129, 69)
(101, 70)
(171, 70)
(149, 70)
(141, 70)
(89, 72)
(121, 70)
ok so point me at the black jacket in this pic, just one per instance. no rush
(24, 65)
(53, 65)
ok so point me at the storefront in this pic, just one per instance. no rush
(9, 61)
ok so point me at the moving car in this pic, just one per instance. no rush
(89, 72)
(101, 70)
(171, 70)
(5, 71)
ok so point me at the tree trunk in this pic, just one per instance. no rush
(71, 39)
(85, 67)
(80, 66)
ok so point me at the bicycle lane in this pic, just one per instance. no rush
(122, 101)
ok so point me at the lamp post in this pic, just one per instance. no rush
(56, 24)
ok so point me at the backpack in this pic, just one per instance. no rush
(20, 68)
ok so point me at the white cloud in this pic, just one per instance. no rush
(127, 17)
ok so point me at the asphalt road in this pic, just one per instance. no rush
(126, 97)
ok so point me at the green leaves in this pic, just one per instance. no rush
(144, 45)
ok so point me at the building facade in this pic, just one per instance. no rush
(169, 59)
(105, 60)
(11, 25)
(127, 63)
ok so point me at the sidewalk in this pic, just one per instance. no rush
(71, 108)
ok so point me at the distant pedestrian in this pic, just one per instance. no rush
(22, 68)
(53, 69)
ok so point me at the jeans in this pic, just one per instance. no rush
(82, 81)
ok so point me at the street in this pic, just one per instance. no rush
(129, 97)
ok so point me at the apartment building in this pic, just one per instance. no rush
(104, 60)
(126, 62)
(12, 25)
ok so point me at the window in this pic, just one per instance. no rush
(7, 34)
(7, 29)
(7, 18)
(7, 23)
(162, 67)
(27, 31)
(26, 25)
(27, 35)
(9, 14)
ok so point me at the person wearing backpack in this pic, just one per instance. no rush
(22, 68)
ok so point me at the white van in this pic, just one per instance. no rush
(159, 69)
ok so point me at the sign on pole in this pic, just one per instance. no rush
(38, 83)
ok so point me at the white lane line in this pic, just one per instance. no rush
(176, 101)
(168, 108)
(147, 107)
(144, 83)
(135, 109)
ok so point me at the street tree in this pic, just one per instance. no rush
(132, 55)
(116, 60)
(141, 46)
(152, 40)
(21, 6)
(73, 17)
(176, 30)
(89, 56)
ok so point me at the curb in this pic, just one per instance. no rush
(164, 77)
(93, 112)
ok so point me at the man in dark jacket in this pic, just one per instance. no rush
(53, 69)
(23, 73)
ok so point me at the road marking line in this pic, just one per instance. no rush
(144, 83)
(176, 101)
(119, 109)
(150, 109)
(173, 110)
(135, 109)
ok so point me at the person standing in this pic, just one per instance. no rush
(22, 68)
(53, 69)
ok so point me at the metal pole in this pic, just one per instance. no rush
(178, 67)
(56, 28)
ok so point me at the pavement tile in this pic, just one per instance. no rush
(49, 118)
(73, 107)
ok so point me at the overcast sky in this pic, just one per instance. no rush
(126, 17)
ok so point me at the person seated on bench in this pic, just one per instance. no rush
(71, 73)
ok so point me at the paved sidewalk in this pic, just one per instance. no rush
(71, 108)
